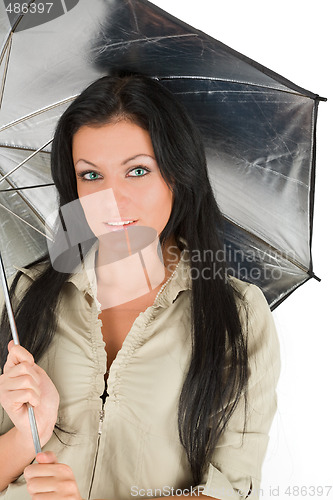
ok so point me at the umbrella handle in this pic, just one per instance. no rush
(34, 430)
(8, 303)
(31, 413)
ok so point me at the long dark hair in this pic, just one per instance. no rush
(218, 373)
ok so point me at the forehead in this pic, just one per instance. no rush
(115, 141)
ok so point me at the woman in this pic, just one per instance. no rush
(186, 368)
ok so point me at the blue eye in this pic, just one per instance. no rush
(89, 176)
(139, 172)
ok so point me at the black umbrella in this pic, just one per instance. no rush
(258, 128)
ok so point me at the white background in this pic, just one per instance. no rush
(294, 39)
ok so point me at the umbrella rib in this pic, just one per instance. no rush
(281, 253)
(21, 148)
(63, 5)
(25, 187)
(25, 200)
(134, 15)
(34, 211)
(270, 125)
(36, 113)
(25, 222)
(143, 40)
(25, 161)
(5, 46)
(18, 20)
(7, 49)
(216, 79)
(279, 174)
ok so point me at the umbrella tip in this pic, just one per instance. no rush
(312, 275)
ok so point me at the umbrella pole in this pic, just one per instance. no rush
(32, 419)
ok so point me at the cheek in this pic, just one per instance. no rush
(90, 215)
(93, 206)
(160, 204)
(84, 188)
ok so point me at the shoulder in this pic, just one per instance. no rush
(249, 298)
(25, 277)
(33, 272)
(246, 291)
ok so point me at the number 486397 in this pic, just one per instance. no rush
(33, 8)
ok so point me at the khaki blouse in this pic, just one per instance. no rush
(130, 447)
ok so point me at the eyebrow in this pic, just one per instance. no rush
(122, 163)
(137, 156)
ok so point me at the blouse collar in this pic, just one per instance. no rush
(84, 277)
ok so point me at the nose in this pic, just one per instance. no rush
(116, 199)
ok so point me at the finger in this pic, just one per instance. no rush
(16, 355)
(23, 383)
(16, 399)
(61, 472)
(10, 345)
(24, 369)
(46, 457)
(50, 488)
(37, 485)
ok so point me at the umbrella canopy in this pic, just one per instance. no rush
(258, 129)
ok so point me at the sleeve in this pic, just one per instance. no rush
(235, 469)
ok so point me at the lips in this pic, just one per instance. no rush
(120, 224)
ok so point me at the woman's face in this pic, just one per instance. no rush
(118, 179)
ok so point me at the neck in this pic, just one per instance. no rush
(135, 275)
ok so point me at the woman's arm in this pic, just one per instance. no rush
(57, 481)
(50, 479)
(234, 471)
(24, 382)
(16, 454)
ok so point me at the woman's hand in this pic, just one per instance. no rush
(23, 382)
(49, 480)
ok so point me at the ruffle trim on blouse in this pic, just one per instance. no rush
(138, 334)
